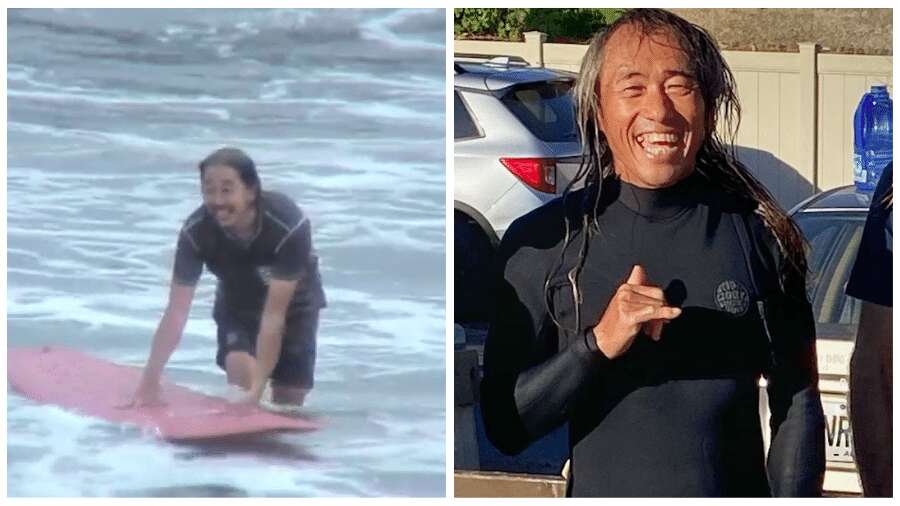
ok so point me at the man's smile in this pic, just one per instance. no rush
(659, 144)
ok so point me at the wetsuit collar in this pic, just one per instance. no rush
(659, 204)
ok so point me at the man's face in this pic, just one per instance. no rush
(226, 196)
(651, 108)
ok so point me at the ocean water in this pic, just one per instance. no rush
(108, 114)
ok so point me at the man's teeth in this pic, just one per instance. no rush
(654, 151)
(659, 144)
(653, 138)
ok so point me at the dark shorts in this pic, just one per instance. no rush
(298, 347)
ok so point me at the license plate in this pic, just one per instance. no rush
(837, 431)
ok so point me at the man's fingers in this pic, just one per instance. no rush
(668, 313)
(657, 313)
(650, 291)
(633, 297)
(638, 276)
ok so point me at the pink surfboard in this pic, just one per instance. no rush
(95, 387)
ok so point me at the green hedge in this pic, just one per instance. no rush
(561, 25)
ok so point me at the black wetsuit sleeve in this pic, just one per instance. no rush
(188, 264)
(292, 254)
(796, 463)
(529, 384)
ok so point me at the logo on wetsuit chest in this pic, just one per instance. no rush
(732, 297)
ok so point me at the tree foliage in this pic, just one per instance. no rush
(510, 24)
(506, 24)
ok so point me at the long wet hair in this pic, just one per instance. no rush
(716, 159)
(237, 160)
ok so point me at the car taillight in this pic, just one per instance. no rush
(538, 173)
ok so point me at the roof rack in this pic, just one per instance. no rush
(502, 61)
(507, 61)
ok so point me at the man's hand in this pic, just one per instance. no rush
(636, 305)
(254, 394)
(147, 395)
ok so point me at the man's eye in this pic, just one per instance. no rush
(679, 88)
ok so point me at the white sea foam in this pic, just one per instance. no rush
(379, 29)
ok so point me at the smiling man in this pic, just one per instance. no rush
(651, 110)
(258, 244)
(643, 309)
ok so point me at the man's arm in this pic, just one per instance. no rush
(185, 273)
(165, 340)
(529, 384)
(796, 463)
(288, 268)
(271, 332)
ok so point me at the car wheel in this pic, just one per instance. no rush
(473, 258)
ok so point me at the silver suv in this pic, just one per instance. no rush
(516, 147)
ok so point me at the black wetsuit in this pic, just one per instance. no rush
(281, 248)
(677, 417)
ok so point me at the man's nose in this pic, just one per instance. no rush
(657, 105)
(218, 199)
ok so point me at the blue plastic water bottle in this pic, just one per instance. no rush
(873, 134)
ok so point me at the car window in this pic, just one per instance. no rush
(834, 240)
(464, 126)
(547, 109)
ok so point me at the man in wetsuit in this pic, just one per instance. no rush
(259, 246)
(643, 309)
(871, 367)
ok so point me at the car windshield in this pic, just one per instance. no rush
(546, 109)
(834, 240)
